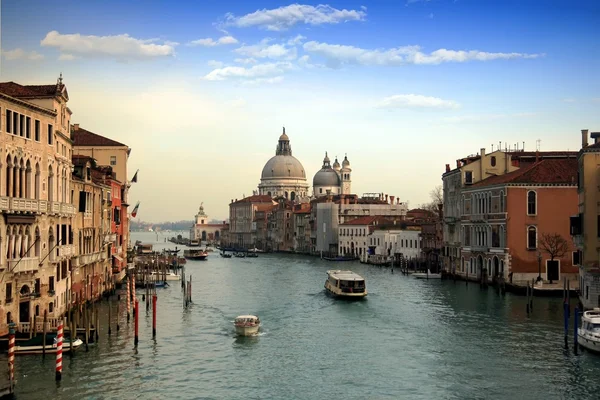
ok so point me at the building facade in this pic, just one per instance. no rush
(242, 224)
(333, 180)
(203, 230)
(302, 228)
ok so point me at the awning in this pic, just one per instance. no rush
(117, 257)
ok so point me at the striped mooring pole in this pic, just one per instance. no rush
(133, 300)
(11, 354)
(59, 344)
(128, 300)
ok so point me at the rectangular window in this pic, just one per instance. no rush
(9, 292)
(21, 125)
(113, 160)
(468, 177)
(28, 127)
(15, 123)
(50, 134)
(598, 225)
(37, 130)
(8, 121)
(36, 286)
(576, 259)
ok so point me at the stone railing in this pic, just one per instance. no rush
(85, 259)
(26, 264)
(35, 206)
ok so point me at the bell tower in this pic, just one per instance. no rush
(346, 174)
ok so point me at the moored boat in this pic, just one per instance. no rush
(589, 332)
(345, 284)
(426, 275)
(195, 254)
(170, 276)
(35, 345)
(225, 255)
(247, 325)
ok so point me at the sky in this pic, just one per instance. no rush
(200, 90)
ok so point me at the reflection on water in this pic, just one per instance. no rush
(412, 339)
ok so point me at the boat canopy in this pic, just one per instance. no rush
(246, 317)
(345, 275)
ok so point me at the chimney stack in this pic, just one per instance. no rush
(482, 152)
(75, 127)
(392, 199)
(596, 137)
(584, 138)
(447, 167)
(386, 198)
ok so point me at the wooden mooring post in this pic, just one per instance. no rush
(44, 333)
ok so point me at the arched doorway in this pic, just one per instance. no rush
(293, 196)
(496, 267)
(24, 304)
(217, 235)
(479, 266)
(204, 235)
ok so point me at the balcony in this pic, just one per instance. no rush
(479, 217)
(480, 248)
(86, 259)
(66, 250)
(34, 206)
(26, 264)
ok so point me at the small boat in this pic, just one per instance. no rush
(589, 332)
(195, 254)
(34, 345)
(427, 275)
(339, 258)
(170, 276)
(251, 254)
(247, 325)
(225, 255)
(345, 284)
(240, 255)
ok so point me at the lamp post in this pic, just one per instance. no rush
(539, 278)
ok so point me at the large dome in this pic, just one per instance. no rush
(283, 166)
(326, 177)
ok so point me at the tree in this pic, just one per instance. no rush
(437, 197)
(555, 245)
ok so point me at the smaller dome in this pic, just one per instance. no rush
(326, 177)
(284, 136)
(345, 163)
(336, 165)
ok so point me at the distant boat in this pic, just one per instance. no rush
(426, 275)
(345, 284)
(340, 258)
(169, 275)
(195, 254)
(247, 325)
(225, 255)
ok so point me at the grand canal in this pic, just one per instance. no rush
(411, 339)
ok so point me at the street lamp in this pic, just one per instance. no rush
(539, 278)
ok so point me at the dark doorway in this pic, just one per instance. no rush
(479, 267)
(496, 267)
(552, 270)
(24, 311)
(204, 236)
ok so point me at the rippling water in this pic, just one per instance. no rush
(410, 339)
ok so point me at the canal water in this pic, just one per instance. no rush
(411, 339)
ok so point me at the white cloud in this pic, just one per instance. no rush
(117, 46)
(284, 17)
(338, 55)
(20, 54)
(416, 101)
(305, 62)
(67, 57)
(209, 42)
(268, 70)
(215, 64)
(245, 60)
(265, 50)
(296, 41)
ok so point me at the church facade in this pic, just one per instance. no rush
(205, 231)
(334, 179)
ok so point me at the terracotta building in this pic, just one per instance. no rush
(505, 221)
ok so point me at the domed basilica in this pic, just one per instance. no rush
(283, 175)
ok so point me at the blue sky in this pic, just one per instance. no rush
(200, 89)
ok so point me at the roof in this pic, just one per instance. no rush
(548, 171)
(257, 198)
(83, 137)
(345, 275)
(303, 208)
(28, 91)
(369, 220)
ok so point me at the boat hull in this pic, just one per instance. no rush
(50, 349)
(587, 343)
(344, 295)
(247, 330)
(199, 258)
(420, 275)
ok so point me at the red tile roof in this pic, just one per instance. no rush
(257, 198)
(82, 137)
(548, 171)
(370, 220)
(27, 91)
(303, 208)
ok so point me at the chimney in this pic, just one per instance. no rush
(596, 137)
(232, 200)
(75, 127)
(584, 138)
(457, 163)
(392, 199)
(447, 167)
(386, 198)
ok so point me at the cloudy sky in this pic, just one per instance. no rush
(201, 89)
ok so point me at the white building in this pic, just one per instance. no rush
(203, 230)
(283, 175)
(353, 235)
(333, 180)
(405, 243)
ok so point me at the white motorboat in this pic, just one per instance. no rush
(426, 275)
(170, 276)
(589, 332)
(247, 325)
(345, 284)
(35, 345)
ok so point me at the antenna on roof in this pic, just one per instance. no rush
(523, 149)
(492, 147)
(59, 80)
(538, 144)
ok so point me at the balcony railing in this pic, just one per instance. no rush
(35, 206)
(86, 259)
(26, 264)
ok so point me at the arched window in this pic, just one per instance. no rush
(50, 184)
(293, 196)
(37, 181)
(493, 161)
(531, 203)
(532, 237)
(501, 201)
(38, 242)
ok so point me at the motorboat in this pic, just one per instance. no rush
(589, 332)
(225, 255)
(247, 325)
(170, 276)
(35, 345)
(195, 254)
(345, 284)
(427, 275)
